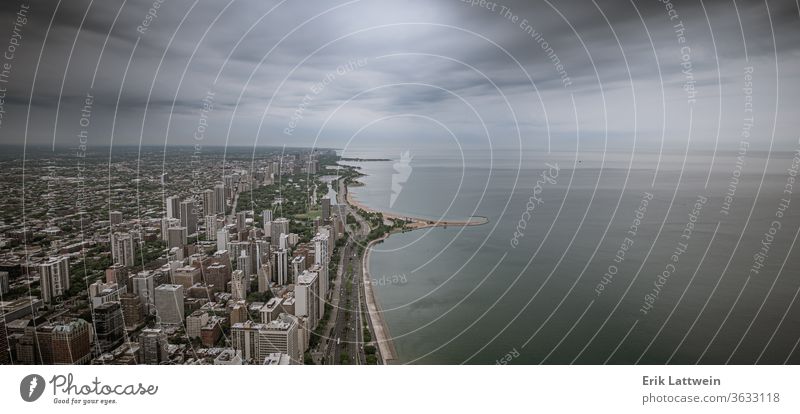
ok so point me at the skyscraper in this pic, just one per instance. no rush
(223, 238)
(117, 273)
(173, 207)
(54, 278)
(154, 346)
(239, 283)
(186, 276)
(266, 216)
(280, 335)
(219, 275)
(321, 260)
(100, 293)
(266, 222)
(70, 343)
(219, 199)
(169, 304)
(243, 263)
(144, 287)
(307, 298)
(298, 265)
(281, 262)
(166, 224)
(256, 341)
(241, 221)
(194, 322)
(189, 216)
(109, 326)
(178, 237)
(264, 276)
(262, 250)
(326, 208)
(132, 310)
(122, 249)
(279, 226)
(209, 201)
(211, 227)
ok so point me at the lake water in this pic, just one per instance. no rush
(686, 287)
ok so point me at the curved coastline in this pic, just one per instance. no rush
(380, 329)
(414, 223)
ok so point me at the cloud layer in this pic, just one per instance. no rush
(555, 74)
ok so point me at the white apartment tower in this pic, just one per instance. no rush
(54, 278)
(281, 262)
(308, 301)
(321, 260)
(173, 207)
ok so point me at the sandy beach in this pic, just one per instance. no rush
(380, 330)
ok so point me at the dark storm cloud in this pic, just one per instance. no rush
(248, 60)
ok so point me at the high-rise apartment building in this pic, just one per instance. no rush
(194, 322)
(115, 218)
(54, 278)
(187, 276)
(189, 216)
(298, 265)
(153, 346)
(321, 260)
(169, 304)
(219, 275)
(209, 203)
(70, 342)
(279, 226)
(244, 263)
(326, 208)
(219, 199)
(211, 227)
(177, 237)
(266, 216)
(256, 341)
(264, 276)
(173, 207)
(132, 310)
(223, 238)
(144, 287)
(308, 302)
(239, 284)
(122, 249)
(281, 264)
(241, 221)
(108, 325)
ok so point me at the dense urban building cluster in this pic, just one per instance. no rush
(113, 260)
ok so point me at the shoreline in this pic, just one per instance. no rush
(414, 223)
(380, 329)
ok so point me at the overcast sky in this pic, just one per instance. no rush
(399, 72)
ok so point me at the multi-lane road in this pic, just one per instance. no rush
(343, 343)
